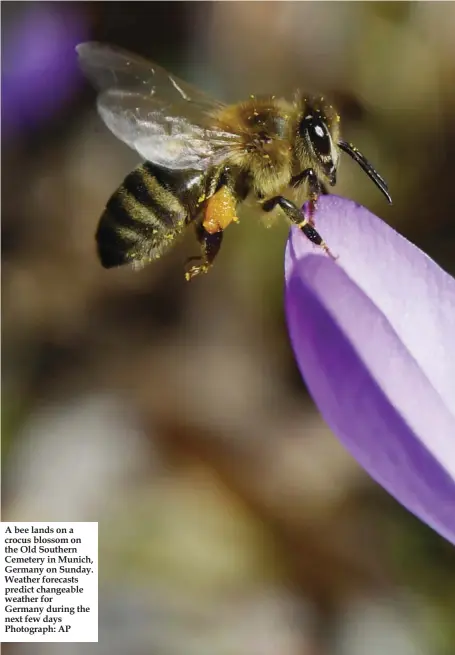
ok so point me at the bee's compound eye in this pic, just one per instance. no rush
(316, 131)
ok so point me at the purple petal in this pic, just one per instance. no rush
(39, 66)
(374, 337)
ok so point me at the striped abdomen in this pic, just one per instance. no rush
(146, 213)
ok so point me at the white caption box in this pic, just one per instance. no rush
(49, 582)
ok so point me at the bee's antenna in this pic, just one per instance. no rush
(367, 167)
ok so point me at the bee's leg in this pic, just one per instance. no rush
(218, 213)
(295, 216)
(316, 188)
(211, 244)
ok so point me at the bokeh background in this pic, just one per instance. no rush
(231, 520)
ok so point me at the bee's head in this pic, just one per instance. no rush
(318, 133)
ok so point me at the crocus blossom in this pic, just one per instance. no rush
(374, 337)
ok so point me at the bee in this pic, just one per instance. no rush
(205, 159)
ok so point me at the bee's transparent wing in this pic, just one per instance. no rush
(165, 119)
(109, 67)
(170, 141)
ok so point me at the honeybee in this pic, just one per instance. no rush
(204, 159)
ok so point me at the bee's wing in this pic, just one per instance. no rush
(161, 135)
(165, 119)
(109, 67)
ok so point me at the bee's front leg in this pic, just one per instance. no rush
(316, 188)
(316, 185)
(295, 216)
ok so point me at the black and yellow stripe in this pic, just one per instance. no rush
(146, 213)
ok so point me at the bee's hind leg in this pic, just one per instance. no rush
(211, 244)
(295, 216)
